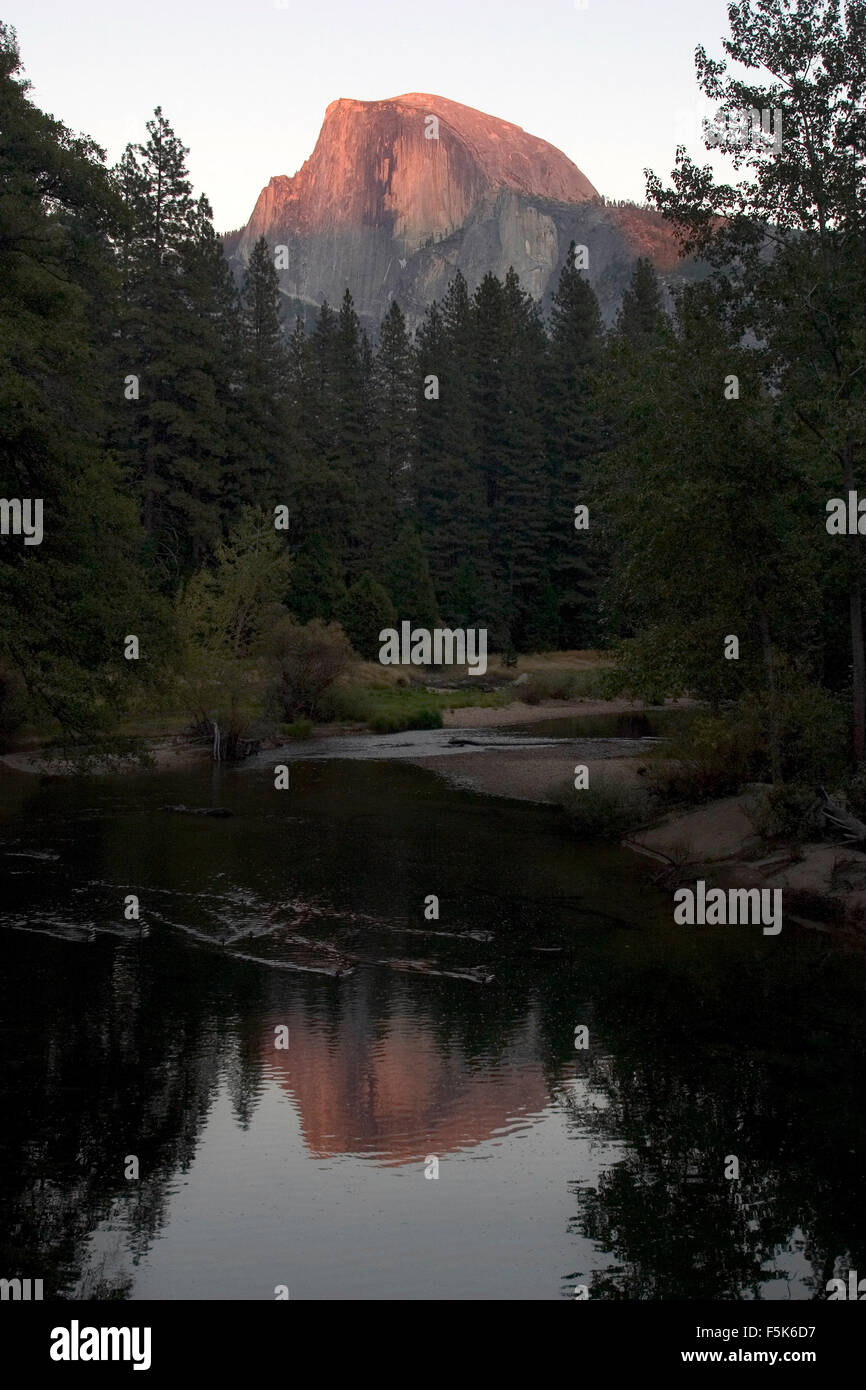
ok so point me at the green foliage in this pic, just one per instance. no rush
(641, 318)
(552, 684)
(223, 614)
(299, 729)
(716, 755)
(575, 436)
(812, 730)
(399, 723)
(13, 704)
(786, 245)
(606, 809)
(304, 662)
(316, 589)
(713, 756)
(364, 613)
(407, 579)
(67, 603)
(789, 812)
(225, 604)
(176, 332)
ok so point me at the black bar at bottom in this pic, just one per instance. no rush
(163, 1338)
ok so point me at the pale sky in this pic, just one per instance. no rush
(245, 83)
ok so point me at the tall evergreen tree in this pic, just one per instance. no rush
(258, 468)
(67, 601)
(364, 613)
(508, 384)
(641, 315)
(448, 485)
(394, 398)
(790, 239)
(576, 346)
(352, 410)
(324, 487)
(173, 350)
(407, 579)
(693, 474)
(316, 589)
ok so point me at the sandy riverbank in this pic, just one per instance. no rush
(824, 883)
(476, 717)
(164, 755)
(525, 774)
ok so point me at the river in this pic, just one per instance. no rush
(428, 1129)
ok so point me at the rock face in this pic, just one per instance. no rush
(399, 194)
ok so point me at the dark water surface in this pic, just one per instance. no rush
(408, 1040)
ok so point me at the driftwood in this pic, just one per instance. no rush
(226, 746)
(838, 818)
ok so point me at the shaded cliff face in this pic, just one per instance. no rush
(399, 194)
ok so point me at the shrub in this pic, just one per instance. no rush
(713, 756)
(304, 662)
(606, 809)
(427, 719)
(853, 794)
(13, 696)
(561, 685)
(395, 723)
(788, 812)
(301, 728)
(813, 733)
(547, 685)
(347, 703)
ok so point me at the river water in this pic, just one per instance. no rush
(414, 1045)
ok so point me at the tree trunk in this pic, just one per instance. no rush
(770, 666)
(855, 600)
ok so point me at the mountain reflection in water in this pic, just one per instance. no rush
(407, 1039)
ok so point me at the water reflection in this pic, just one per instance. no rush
(393, 1087)
(452, 1038)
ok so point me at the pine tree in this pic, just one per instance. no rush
(174, 337)
(394, 399)
(364, 613)
(716, 484)
(65, 604)
(258, 470)
(788, 242)
(317, 589)
(641, 316)
(326, 497)
(407, 579)
(448, 485)
(352, 412)
(520, 534)
(574, 437)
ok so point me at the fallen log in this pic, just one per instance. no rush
(836, 816)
